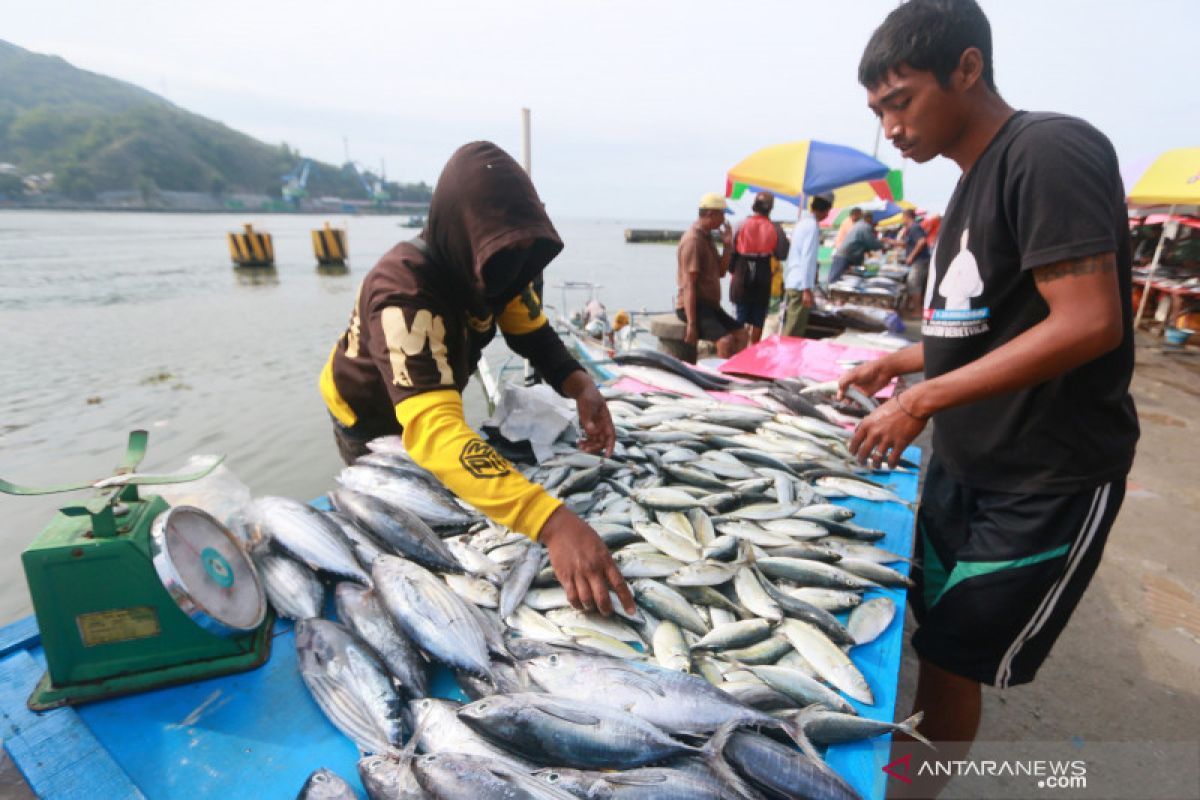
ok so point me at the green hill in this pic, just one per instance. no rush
(100, 134)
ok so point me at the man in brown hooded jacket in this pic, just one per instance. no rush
(421, 320)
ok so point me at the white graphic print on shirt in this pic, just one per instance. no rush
(958, 286)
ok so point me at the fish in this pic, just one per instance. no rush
(874, 571)
(403, 531)
(645, 783)
(513, 590)
(812, 573)
(798, 609)
(668, 542)
(670, 648)
(363, 543)
(350, 684)
(559, 731)
(432, 503)
(600, 642)
(827, 658)
(435, 618)
(608, 626)
(532, 625)
(293, 589)
(834, 601)
(735, 635)
(752, 595)
(675, 702)
(783, 771)
(800, 687)
(870, 619)
(437, 729)
(454, 776)
(822, 726)
(474, 590)
(387, 778)
(306, 535)
(667, 603)
(862, 489)
(359, 610)
(325, 784)
(705, 572)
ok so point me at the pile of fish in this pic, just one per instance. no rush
(732, 674)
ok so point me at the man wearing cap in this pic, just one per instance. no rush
(756, 241)
(800, 275)
(698, 276)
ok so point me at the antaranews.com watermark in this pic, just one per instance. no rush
(1076, 769)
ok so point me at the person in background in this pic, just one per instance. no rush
(800, 274)
(916, 256)
(420, 321)
(854, 248)
(756, 241)
(844, 229)
(1027, 350)
(698, 274)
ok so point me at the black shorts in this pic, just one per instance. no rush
(753, 314)
(1000, 574)
(714, 322)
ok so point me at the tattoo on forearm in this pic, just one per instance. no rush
(1105, 262)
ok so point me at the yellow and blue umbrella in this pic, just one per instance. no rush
(797, 169)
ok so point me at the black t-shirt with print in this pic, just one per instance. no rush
(1046, 189)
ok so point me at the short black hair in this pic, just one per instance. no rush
(927, 35)
(820, 204)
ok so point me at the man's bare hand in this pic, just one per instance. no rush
(870, 377)
(599, 434)
(583, 564)
(883, 435)
(806, 298)
(691, 336)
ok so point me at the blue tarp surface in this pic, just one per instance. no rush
(259, 734)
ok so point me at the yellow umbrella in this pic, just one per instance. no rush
(1172, 180)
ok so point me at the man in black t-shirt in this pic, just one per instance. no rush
(916, 257)
(1027, 350)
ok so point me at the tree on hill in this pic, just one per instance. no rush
(99, 134)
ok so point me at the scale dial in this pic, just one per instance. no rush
(206, 572)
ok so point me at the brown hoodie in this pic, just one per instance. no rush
(425, 312)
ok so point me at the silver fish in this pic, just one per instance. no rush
(306, 535)
(325, 784)
(438, 729)
(294, 591)
(512, 592)
(871, 619)
(435, 618)
(571, 733)
(429, 502)
(360, 610)
(827, 658)
(403, 531)
(387, 778)
(453, 776)
(350, 684)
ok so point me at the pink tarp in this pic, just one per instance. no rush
(789, 357)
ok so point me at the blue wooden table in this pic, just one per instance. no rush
(259, 734)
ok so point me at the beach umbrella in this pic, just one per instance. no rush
(889, 187)
(1172, 180)
(794, 170)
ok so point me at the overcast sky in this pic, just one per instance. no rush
(638, 107)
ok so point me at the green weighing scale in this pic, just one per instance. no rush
(131, 594)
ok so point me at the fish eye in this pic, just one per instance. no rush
(553, 660)
(320, 778)
(552, 777)
(426, 703)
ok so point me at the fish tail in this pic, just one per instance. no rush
(713, 754)
(794, 728)
(909, 726)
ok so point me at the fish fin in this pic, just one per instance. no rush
(909, 726)
(794, 728)
(570, 715)
(713, 754)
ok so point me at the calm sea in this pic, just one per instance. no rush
(111, 322)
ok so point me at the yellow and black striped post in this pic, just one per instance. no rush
(251, 248)
(329, 246)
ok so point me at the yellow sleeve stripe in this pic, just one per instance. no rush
(333, 399)
(437, 437)
(523, 314)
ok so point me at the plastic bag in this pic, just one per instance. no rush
(534, 414)
(220, 493)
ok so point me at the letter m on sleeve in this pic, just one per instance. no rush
(408, 344)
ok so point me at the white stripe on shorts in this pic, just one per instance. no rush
(1082, 541)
